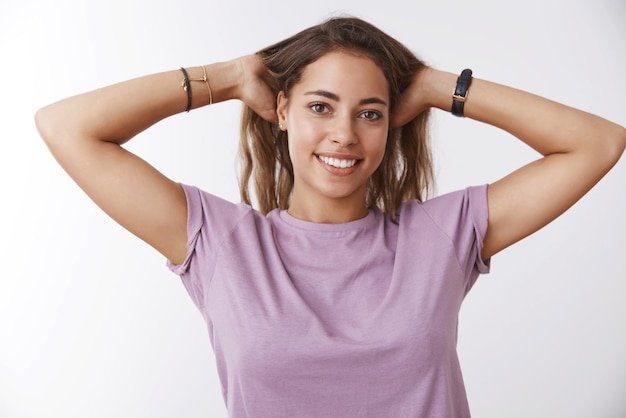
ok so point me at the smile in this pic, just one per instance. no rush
(336, 162)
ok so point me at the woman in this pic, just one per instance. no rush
(340, 295)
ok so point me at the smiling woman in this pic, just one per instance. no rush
(337, 135)
(339, 296)
(340, 57)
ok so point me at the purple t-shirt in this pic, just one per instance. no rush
(351, 320)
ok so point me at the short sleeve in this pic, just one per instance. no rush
(194, 225)
(210, 220)
(479, 212)
(463, 216)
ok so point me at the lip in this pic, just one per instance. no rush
(336, 170)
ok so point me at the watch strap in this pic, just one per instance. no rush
(460, 92)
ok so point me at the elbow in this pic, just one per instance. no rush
(46, 124)
(607, 148)
(622, 143)
(600, 154)
(616, 144)
(55, 127)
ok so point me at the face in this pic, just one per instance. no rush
(337, 119)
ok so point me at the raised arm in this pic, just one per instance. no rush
(85, 134)
(578, 149)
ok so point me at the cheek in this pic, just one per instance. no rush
(306, 128)
(303, 137)
(377, 143)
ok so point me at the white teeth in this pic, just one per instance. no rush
(336, 162)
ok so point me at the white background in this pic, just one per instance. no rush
(92, 324)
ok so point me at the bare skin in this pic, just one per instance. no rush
(85, 134)
(338, 110)
(578, 149)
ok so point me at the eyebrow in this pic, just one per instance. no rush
(333, 96)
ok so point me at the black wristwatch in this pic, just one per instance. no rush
(460, 92)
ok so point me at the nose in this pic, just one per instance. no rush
(343, 132)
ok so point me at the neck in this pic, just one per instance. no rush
(328, 211)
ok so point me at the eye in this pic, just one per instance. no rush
(319, 107)
(371, 115)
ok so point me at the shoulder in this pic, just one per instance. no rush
(208, 203)
(450, 211)
(211, 220)
(457, 198)
(214, 215)
(449, 203)
(458, 219)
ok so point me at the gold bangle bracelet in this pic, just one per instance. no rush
(206, 81)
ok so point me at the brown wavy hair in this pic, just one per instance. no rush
(406, 171)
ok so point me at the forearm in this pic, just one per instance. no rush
(579, 149)
(84, 133)
(545, 125)
(118, 112)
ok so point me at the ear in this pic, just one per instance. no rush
(281, 108)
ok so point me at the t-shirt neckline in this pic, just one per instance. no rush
(361, 223)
